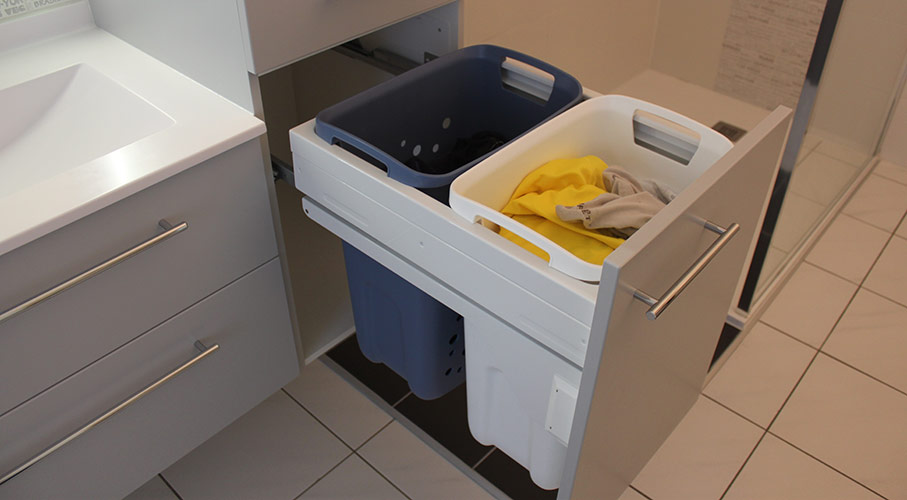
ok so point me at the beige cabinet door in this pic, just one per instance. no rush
(642, 375)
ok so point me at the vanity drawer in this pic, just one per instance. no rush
(249, 322)
(279, 32)
(229, 232)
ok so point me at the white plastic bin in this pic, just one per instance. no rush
(521, 395)
(647, 140)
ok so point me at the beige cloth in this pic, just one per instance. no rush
(628, 204)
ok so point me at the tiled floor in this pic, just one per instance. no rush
(811, 405)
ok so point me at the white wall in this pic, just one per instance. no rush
(600, 42)
(199, 38)
(688, 39)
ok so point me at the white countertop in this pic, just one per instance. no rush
(204, 125)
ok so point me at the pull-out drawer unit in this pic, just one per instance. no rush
(122, 273)
(596, 384)
(152, 400)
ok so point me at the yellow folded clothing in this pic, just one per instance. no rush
(566, 182)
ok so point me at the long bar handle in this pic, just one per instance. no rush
(205, 352)
(657, 306)
(87, 274)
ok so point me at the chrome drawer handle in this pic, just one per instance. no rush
(98, 269)
(657, 306)
(205, 351)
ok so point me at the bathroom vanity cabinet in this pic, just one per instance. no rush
(194, 326)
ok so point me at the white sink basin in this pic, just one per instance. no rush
(65, 119)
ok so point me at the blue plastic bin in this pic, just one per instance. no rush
(424, 128)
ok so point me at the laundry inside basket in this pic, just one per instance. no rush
(583, 205)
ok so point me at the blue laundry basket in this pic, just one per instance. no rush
(424, 128)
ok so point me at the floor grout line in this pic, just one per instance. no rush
(493, 448)
(803, 375)
(396, 487)
(385, 426)
(161, 475)
(810, 455)
(873, 377)
(317, 419)
(735, 412)
(297, 497)
(743, 466)
(634, 488)
(408, 394)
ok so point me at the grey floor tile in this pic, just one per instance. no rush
(777, 470)
(889, 275)
(878, 201)
(809, 304)
(419, 471)
(761, 373)
(337, 404)
(275, 451)
(701, 457)
(872, 337)
(155, 489)
(848, 248)
(353, 480)
(852, 423)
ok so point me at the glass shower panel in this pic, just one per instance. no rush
(855, 95)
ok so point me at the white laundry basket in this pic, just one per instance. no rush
(647, 140)
(521, 395)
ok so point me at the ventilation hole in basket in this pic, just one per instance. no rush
(453, 339)
(417, 149)
(447, 372)
(434, 149)
(459, 318)
(445, 124)
(459, 369)
(403, 143)
(450, 354)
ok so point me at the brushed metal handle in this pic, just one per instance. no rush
(657, 306)
(98, 269)
(205, 352)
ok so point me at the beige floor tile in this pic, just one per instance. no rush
(353, 480)
(810, 141)
(821, 178)
(809, 304)
(848, 248)
(880, 202)
(872, 337)
(797, 218)
(850, 422)
(778, 471)
(902, 229)
(891, 171)
(155, 489)
(417, 469)
(701, 457)
(337, 404)
(277, 450)
(631, 494)
(889, 275)
(841, 152)
(760, 374)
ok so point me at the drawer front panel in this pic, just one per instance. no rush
(648, 363)
(283, 31)
(248, 320)
(230, 231)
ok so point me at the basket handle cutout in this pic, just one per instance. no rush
(359, 153)
(665, 137)
(527, 81)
